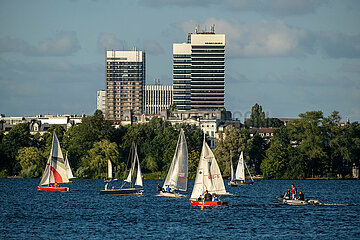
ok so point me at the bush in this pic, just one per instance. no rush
(33, 171)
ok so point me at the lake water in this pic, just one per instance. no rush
(253, 213)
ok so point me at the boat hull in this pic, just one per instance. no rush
(171, 195)
(208, 203)
(240, 183)
(58, 189)
(125, 191)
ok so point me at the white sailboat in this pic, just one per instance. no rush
(208, 178)
(240, 178)
(177, 176)
(132, 190)
(55, 171)
(68, 168)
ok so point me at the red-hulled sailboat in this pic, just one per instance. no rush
(208, 178)
(55, 171)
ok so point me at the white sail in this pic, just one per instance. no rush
(68, 168)
(138, 181)
(134, 159)
(55, 170)
(208, 176)
(110, 172)
(240, 169)
(178, 171)
(231, 170)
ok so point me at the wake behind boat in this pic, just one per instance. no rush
(177, 176)
(55, 171)
(132, 190)
(208, 181)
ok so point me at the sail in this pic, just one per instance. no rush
(68, 169)
(240, 170)
(55, 170)
(110, 172)
(231, 170)
(178, 171)
(208, 176)
(138, 181)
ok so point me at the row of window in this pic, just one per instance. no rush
(207, 55)
(182, 97)
(182, 76)
(182, 66)
(182, 86)
(181, 71)
(124, 63)
(207, 59)
(181, 56)
(208, 51)
(206, 47)
(179, 61)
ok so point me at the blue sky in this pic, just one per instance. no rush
(288, 56)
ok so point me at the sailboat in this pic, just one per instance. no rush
(132, 190)
(239, 178)
(68, 168)
(177, 176)
(55, 171)
(208, 178)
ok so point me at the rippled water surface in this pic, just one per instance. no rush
(252, 213)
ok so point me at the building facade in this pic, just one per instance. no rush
(101, 100)
(125, 80)
(157, 98)
(199, 71)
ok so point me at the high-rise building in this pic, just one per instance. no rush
(100, 100)
(199, 71)
(125, 80)
(157, 98)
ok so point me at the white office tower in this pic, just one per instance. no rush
(157, 98)
(101, 100)
(125, 80)
(199, 71)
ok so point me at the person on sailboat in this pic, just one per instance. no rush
(168, 189)
(159, 188)
(215, 198)
(293, 191)
(208, 196)
(287, 194)
(106, 186)
(56, 185)
(301, 196)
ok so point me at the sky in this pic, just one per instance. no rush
(289, 56)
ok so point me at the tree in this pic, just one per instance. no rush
(275, 163)
(256, 148)
(257, 119)
(308, 136)
(18, 137)
(97, 158)
(31, 157)
(229, 146)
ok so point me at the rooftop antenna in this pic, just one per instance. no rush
(212, 28)
(196, 28)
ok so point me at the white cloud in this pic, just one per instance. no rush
(64, 44)
(153, 47)
(339, 45)
(278, 7)
(259, 39)
(109, 41)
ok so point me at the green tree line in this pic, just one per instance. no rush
(311, 146)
